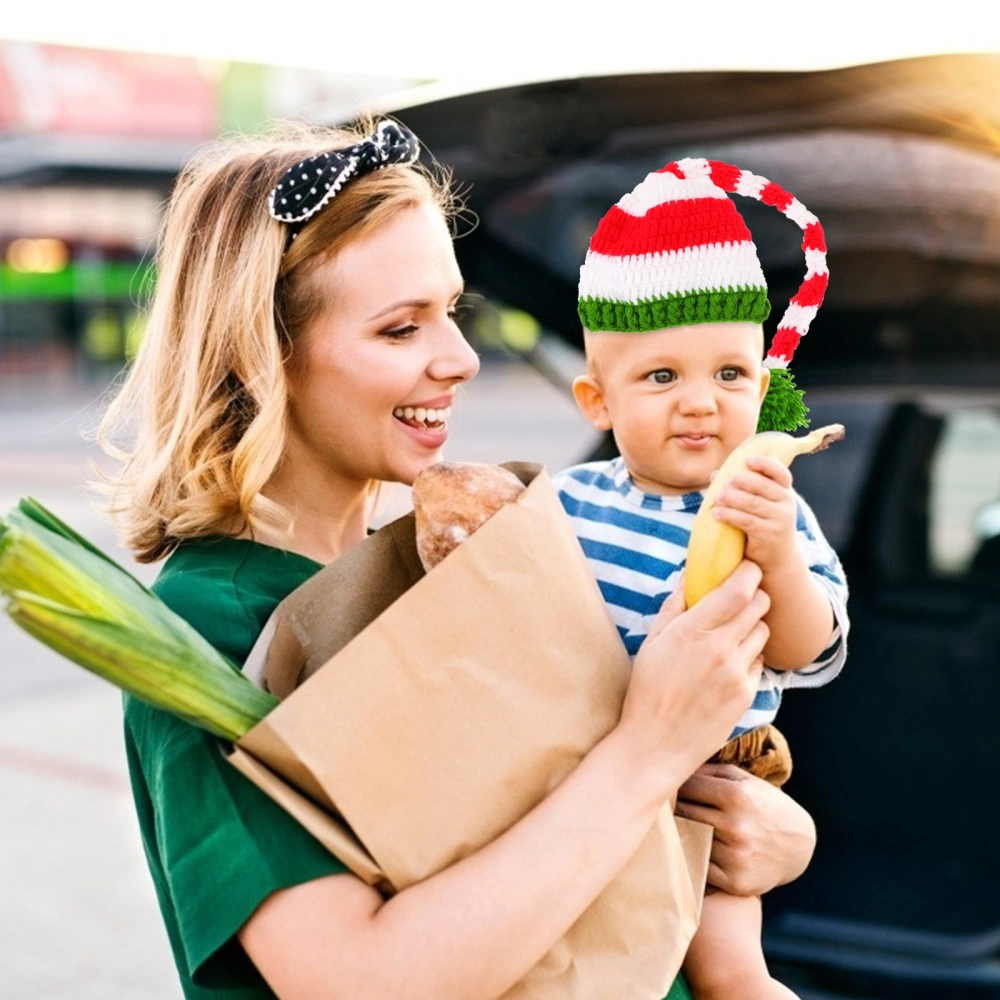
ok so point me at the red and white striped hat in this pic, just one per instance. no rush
(676, 252)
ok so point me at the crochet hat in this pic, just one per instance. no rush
(676, 252)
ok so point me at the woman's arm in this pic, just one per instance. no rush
(470, 932)
(763, 838)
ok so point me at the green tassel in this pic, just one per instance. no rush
(782, 409)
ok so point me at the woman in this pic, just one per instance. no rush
(294, 358)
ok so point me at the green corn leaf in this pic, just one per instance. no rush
(37, 561)
(64, 591)
(31, 508)
(209, 693)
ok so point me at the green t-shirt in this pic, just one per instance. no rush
(216, 845)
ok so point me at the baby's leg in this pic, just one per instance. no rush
(725, 960)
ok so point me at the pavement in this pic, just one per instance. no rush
(78, 916)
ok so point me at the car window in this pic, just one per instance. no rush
(964, 494)
(934, 511)
(930, 507)
(872, 190)
(912, 225)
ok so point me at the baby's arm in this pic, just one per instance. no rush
(761, 503)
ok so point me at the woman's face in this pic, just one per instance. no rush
(373, 377)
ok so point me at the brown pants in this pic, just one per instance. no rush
(763, 752)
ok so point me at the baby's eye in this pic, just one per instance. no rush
(730, 373)
(662, 376)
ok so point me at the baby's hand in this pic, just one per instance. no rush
(760, 503)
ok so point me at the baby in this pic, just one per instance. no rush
(672, 298)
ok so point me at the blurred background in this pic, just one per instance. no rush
(887, 127)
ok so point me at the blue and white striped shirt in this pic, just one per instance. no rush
(636, 544)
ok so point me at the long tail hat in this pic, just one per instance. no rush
(676, 252)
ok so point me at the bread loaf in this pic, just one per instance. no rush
(452, 499)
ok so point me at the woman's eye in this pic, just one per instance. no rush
(400, 332)
(662, 376)
(730, 373)
(463, 307)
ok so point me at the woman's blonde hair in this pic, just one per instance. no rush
(199, 422)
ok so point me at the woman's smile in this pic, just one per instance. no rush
(428, 427)
(427, 416)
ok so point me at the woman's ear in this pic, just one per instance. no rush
(765, 381)
(589, 397)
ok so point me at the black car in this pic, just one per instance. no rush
(901, 162)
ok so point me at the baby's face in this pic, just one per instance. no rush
(679, 400)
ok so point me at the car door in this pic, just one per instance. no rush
(897, 759)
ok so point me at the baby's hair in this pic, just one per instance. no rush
(199, 422)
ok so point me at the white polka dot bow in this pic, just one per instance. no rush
(308, 186)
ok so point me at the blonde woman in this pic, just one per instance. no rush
(300, 316)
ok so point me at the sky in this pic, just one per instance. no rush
(476, 42)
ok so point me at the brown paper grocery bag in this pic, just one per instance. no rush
(439, 709)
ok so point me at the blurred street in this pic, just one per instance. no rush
(78, 917)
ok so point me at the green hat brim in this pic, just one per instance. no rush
(732, 305)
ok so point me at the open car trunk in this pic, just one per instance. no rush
(896, 759)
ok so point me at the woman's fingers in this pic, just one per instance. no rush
(762, 837)
(716, 794)
(745, 630)
(696, 673)
(731, 598)
(712, 785)
(747, 622)
(671, 608)
(721, 878)
(752, 647)
(693, 811)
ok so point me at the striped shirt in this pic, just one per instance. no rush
(636, 544)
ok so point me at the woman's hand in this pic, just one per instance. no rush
(694, 676)
(763, 838)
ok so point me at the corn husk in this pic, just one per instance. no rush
(71, 596)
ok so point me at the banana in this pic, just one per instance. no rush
(715, 548)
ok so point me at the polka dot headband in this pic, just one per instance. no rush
(312, 183)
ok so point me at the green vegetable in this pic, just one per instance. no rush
(68, 594)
